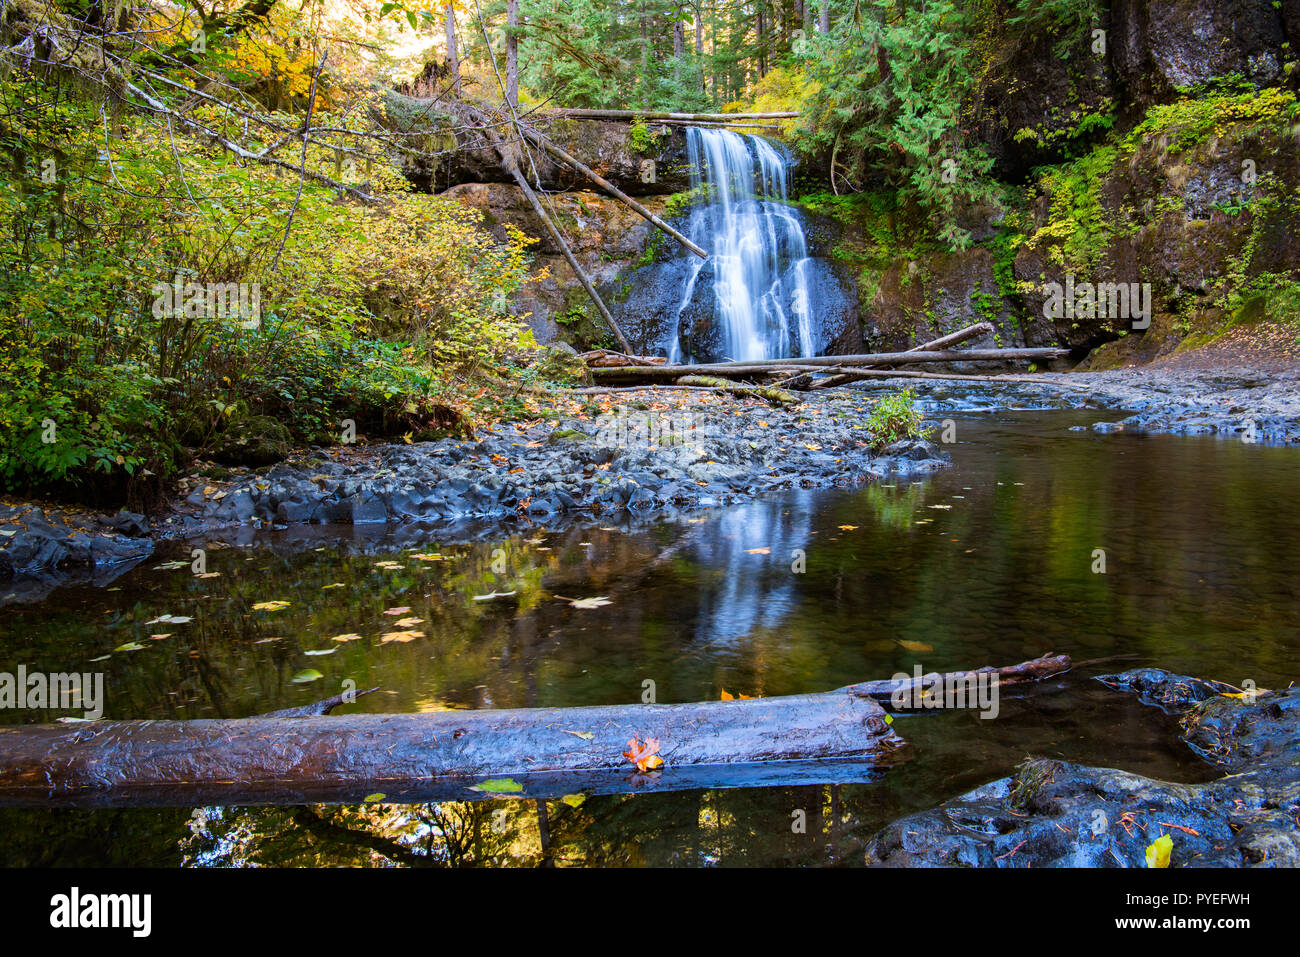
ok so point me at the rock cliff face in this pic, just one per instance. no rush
(652, 163)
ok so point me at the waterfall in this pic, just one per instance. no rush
(763, 296)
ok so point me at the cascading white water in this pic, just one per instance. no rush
(758, 255)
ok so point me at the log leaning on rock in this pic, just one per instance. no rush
(443, 755)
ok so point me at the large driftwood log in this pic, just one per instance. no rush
(812, 363)
(444, 755)
(724, 118)
(961, 335)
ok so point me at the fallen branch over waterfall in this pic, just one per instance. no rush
(819, 363)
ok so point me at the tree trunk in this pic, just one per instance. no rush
(453, 59)
(824, 17)
(834, 362)
(449, 755)
(512, 52)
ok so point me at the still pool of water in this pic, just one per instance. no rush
(988, 562)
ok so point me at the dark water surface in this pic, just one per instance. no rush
(988, 562)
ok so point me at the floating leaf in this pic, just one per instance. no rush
(307, 675)
(160, 637)
(399, 610)
(350, 636)
(334, 585)
(170, 620)
(407, 622)
(574, 800)
(599, 602)
(495, 594)
(1159, 851)
(848, 528)
(758, 551)
(498, 786)
(130, 646)
(914, 645)
(321, 651)
(372, 798)
(168, 566)
(402, 636)
(271, 605)
(585, 735)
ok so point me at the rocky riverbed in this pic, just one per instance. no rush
(1237, 403)
(645, 453)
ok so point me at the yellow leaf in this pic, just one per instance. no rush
(914, 645)
(270, 605)
(727, 697)
(1159, 851)
(574, 800)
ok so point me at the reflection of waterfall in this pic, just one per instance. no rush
(763, 296)
(755, 591)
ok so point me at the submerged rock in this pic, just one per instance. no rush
(1052, 813)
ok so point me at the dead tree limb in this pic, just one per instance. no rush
(513, 169)
(724, 118)
(816, 362)
(610, 188)
(774, 396)
(961, 335)
(447, 755)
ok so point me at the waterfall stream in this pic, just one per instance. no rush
(763, 296)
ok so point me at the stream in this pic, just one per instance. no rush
(987, 562)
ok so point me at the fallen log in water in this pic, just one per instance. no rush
(812, 363)
(445, 755)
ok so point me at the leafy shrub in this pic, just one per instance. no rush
(895, 417)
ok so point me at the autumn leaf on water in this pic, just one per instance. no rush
(349, 636)
(574, 800)
(758, 551)
(733, 697)
(644, 756)
(598, 602)
(407, 622)
(321, 651)
(130, 646)
(498, 786)
(914, 645)
(170, 620)
(402, 636)
(495, 594)
(585, 735)
(399, 610)
(306, 675)
(373, 798)
(1159, 851)
(848, 528)
(270, 605)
